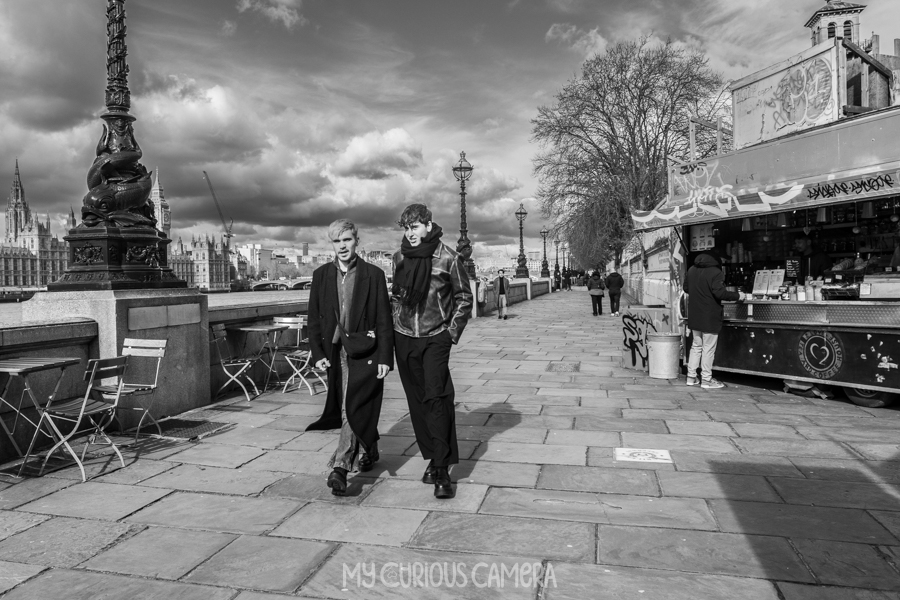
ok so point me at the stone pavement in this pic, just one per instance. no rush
(767, 496)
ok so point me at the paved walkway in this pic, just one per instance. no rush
(769, 495)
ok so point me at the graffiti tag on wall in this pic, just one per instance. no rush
(860, 186)
(635, 328)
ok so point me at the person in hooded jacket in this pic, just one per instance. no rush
(705, 286)
(595, 286)
(614, 283)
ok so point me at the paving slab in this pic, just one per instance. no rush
(312, 487)
(735, 464)
(851, 434)
(763, 430)
(159, 552)
(392, 575)
(850, 565)
(699, 428)
(716, 485)
(757, 556)
(661, 415)
(289, 423)
(869, 471)
(730, 416)
(104, 501)
(12, 523)
(495, 473)
(263, 563)
(605, 457)
(12, 574)
(466, 448)
(87, 585)
(633, 425)
(580, 437)
(598, 479)
(217, 455)
(813, 522)
(601, 582)
(358, 524)
(889, 452)
(229, 514)
(291, 461)
(544, 399)
(690, 443)
(788, 448)
(196, 478)
(797, 591)
(501, 434)
(838, 493)
(529, 421)
(62, 542)
(416, 495)
(890, 520)
(582, 411)
(574, 542)
(26, 490)
(136, 472)
(467, 406)
(676, 513)
(546, 454)
(256, 437)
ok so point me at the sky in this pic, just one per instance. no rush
(304, 111)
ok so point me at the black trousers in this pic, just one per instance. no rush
(424, 367)
(614, 301)
(597, 304)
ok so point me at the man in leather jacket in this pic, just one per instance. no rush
(432, 301)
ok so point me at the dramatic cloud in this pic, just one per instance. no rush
(275, 10)
(376, 155)
(586, 43)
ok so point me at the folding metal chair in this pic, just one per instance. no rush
(141, 392)
(292, 339)
(234, 367)
(98, 408)
(298, 355)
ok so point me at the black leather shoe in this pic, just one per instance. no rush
(504, 317)
(443, 486)
(428, 476)
(368, 459)
(337, 481)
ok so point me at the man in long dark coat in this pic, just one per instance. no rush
(705, 286)
(350, 294)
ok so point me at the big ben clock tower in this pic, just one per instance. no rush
(161, 207)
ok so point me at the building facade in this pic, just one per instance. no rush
(204, 264)
(30, 256)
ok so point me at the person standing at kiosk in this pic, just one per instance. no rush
(705, 286)
(813, 262)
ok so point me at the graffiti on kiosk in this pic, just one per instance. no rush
(635, 327)
(803, 96)
(859, 186)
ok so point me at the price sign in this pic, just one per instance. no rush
(792, 268)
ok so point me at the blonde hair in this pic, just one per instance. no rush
(340, 226)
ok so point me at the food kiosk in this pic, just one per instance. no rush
(815, 157)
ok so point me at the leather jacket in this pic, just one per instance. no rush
(448, 304)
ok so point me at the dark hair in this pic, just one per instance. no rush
(415, 213)
(500, 271)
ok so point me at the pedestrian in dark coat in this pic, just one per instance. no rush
(353, 293)
(705, 286)
(614, 283)
(595, 286)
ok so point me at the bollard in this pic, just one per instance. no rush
(664, 352)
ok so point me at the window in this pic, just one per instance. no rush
(848, 30)
(831, 30)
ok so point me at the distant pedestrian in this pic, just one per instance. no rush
(595, 286)
(614, 283)
(566, 279)
(705, 286)
(350, 336)
(432, 303)
(501, 287)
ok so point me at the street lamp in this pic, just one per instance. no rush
(462, 171)
(556, 275)
(545, 268)
(522, 268)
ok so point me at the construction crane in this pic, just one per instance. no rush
(228, 234)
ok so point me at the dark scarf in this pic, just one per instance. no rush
(414, 272)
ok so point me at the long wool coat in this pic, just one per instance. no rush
(370, 310)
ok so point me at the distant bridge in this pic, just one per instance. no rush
(299, 283)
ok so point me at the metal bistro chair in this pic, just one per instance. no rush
(98, 408)
(154, 349)
(298, 356)
(234, 367)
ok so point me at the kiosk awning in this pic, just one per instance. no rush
(853, 159)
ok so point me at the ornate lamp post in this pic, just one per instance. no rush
(522, 268)
(117, 245)
(556, 274)
(545, 268)
(462, 171)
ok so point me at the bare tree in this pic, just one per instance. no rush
(606, 141)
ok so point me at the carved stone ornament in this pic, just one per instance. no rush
(87, 254)
(149, 255)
